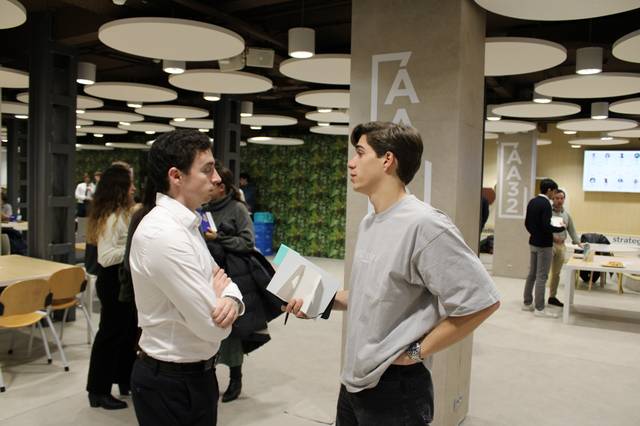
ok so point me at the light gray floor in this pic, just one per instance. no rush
(526, 370)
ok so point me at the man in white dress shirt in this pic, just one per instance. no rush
(186, 304)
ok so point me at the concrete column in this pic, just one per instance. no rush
(516, 184)
(227, 128)
(421, 62)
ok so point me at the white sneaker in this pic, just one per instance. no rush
(528, 307)
(545, 314)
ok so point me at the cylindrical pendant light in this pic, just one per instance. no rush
(86, 73)
(600, 110)
(589, 60)
(490, 114)
(134, 104)
(173, 67)
(605, 137)
(324, 109)
(246, 109)
(302, 42)
(211, 97)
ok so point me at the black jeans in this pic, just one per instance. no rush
(114, 348)
(174, 398)
(403, 397)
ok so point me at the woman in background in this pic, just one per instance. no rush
(113, 351)
(234, 234)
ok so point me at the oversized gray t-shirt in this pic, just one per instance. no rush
(411, 270)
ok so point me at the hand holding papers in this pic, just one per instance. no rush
(298, 278)
(557, 221)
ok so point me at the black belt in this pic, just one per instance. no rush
(178, 367)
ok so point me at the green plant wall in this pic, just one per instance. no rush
(92, 161)
(305, 188)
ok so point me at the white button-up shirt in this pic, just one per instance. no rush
(113, 240)
(172, 273)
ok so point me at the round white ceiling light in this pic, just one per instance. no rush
(104, 130)
(267, 140)
(590, 125)
(12, 14)
(488, 135)
(115, 116)
(336, 116)
(268, 120)
(119, 91)
(147, 127)
(172, 111)
(171, 38)
(323, 68)
(196, 123)
(127, 145)
(598, 142)
(331, 129)
(603, 85)
(632, 133)
(627, 48)
(553, 10)
(508, 126)
(13, 79)
(536, 110)
(210, 80)
(92, 147)
(518, 55)
(627, 106)
(324, 98)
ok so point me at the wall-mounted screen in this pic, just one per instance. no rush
(611, 171)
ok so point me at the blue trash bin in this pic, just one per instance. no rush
(263, 224)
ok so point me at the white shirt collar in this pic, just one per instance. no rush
(543, 195)
(179, 211)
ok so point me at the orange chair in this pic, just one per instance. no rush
(24, 304)
(66, 286)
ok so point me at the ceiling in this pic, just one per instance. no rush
(265, 23)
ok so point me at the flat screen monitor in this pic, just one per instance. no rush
(611, 171)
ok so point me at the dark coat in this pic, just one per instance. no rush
(251, 272)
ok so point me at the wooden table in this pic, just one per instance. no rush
(14, 268)
(18, 226)
(631, 266)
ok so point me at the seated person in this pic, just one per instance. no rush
(6, 211)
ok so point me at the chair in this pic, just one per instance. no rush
(67, 286)
(24, 304)
(592, 276)
(5, 245)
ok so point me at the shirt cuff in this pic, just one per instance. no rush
(233, 291)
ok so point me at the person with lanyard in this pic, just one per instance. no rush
(538, 223)
(186, 304)
(415, 287)
(559, 249)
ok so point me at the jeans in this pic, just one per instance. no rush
(403, 397)
(538, 273)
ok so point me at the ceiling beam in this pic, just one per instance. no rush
(236, 23)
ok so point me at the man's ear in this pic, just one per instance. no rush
(174, 175)
(390, 161)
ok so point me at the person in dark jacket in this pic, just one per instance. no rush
(538, 223)
(234, 233)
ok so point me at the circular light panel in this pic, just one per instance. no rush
(536, 110)
(553, 10)
(268, 120)
(91, 147)
(603, 85)
(491, 135)
(9, 107)
(82, 102)
(627, 48)
(330, 130)
(115, 116)
(147, 127)
(13, 79)
(518, 55)
(82, 122)
(267, 140)
(329, 117)
(590, 125)
(324, 98)
(131, 92)
(209, 80)
(598, 142)
(194, 123)
(508, 126)
(105, 130)
(127, 145)
(632, 133)
(323, 68)
(172, 111)
(12, 14)
(171, 38)
(627, 106)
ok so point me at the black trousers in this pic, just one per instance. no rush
(174, 398)
(403, 397)
(113, 351)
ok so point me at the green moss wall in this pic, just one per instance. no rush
(305, 188)
(92, 161)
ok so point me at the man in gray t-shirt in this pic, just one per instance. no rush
(415, 288)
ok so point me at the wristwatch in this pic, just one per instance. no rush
(413, 352)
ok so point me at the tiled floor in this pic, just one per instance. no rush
(526, 371)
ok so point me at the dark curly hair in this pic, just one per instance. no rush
(403, 141)
(227, 178)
